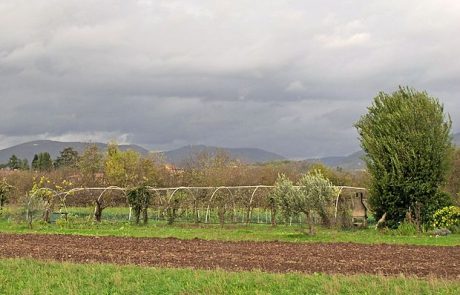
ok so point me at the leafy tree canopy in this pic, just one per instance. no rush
(407, 140)
(68, 158)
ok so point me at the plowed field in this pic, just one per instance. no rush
(344, 258)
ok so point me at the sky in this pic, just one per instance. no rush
(291, 77)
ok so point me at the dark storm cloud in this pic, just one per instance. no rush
(287, 76)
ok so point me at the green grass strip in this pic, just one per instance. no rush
(232, 233)
(25, 276)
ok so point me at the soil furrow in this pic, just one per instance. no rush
(343, 258)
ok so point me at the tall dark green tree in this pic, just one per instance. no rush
(44, 162)
(24, 164)
(408, 144)
(34, 163)
(68, 158)
(14, 162)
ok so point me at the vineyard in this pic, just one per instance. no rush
(222, 205)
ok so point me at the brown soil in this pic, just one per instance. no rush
(344, 258)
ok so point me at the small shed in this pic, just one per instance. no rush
(359, 211)
(352, 201)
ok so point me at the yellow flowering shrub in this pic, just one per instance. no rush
(447, 217)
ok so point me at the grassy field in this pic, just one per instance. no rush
(25, 276)
(254, 232)
(115, 223)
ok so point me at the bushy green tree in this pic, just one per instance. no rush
(45, 162)
(25, 164)
(453, 183)
(282, 196)
(42, 162)
(128, 168)
(316, 195)
(139, 200)
(407, 140)
(14, 162)
(121, 167)
(34, 163)
(90, 163)
(68, 158)
(5, 190)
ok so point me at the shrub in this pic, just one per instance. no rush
(282, 196)
(139, 200)
(316, 194)
(5, 190)
(406, 229)
(173, 207)
(447, 217)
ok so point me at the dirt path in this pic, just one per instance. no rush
(345, 258)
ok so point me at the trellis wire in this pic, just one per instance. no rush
(207, 209)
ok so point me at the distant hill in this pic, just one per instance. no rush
(178, 156)
(354, 161)
(248, 155)
(29, 149)
(350, 162)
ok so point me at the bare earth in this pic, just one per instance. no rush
(343, 258)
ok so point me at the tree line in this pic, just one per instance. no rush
(43, 161)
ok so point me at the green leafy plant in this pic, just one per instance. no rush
(313, 196)
(41, 192)
(5, 190)
(316, 194)
(139, 200)
(406, 229)
(173, 207)
(282, 197)
(447, 217)
(44, 196)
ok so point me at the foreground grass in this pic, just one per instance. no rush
(230, 233)
(25, 276)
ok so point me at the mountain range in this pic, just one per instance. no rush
(27, 150)
(247, 155)
(351, 162)
(179, 156)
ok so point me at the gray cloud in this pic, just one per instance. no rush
(287, 76)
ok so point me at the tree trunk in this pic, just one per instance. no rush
(98, 211)
(221, 213)
(47, 215)
(138, 215)
(273, 215)
(311, 227)
(195, 211)
(146, 215)
(29, 218)
(248, 215)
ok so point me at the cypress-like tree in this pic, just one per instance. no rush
(406, 137)
(14, 162)
(44, 162)
(68, 158)
(25, 164)
(35, 164)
